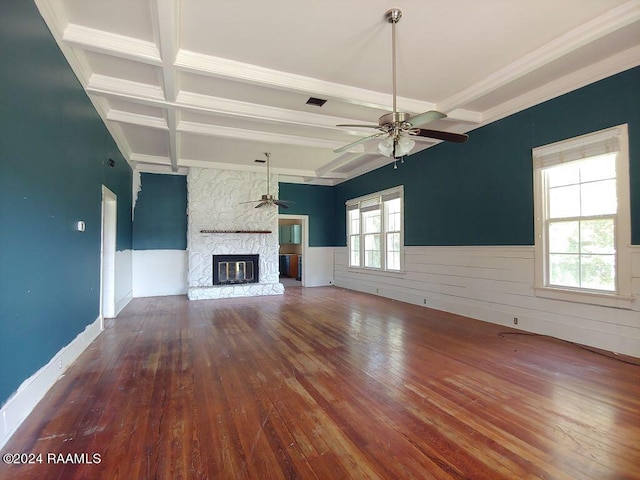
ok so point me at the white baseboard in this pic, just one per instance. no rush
(123, 302)
(33, 389)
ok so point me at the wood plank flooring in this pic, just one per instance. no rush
(324, 383)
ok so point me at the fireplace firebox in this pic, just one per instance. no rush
(235, 269)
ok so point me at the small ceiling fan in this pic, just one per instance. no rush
(398, 127)
(269, 199)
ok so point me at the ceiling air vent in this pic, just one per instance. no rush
(316, 102)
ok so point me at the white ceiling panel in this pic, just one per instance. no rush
(129, 18)
(200, 83)
(147, 141)
(136, 108)
(116, 67)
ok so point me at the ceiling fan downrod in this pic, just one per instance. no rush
(268, 154)
(393, 16)
(399, 127)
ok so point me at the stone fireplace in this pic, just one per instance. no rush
(219, 224)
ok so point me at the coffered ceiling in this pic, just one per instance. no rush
(182, 83)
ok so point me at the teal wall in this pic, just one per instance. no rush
(160, 214)
(54, 153)
(481, 192)
(317, 202)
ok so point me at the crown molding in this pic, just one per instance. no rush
(606, 23)
(53, 12)
(121, 141)
(598, 71)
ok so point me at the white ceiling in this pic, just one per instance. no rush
(203, 83)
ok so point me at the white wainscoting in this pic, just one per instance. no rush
(158, 273)
(124, 279)
(495, 284)
(317, 266)
(33, 389)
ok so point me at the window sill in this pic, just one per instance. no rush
(591, 298)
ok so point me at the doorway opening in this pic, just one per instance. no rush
(293, 237)
(108, 256)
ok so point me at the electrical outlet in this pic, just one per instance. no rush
(60, 364)
(425, 301)
(377, 290)
(515, 320)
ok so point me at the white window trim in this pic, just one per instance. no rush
(622, 298)
(383, 270)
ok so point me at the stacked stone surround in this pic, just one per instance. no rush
(214, 203)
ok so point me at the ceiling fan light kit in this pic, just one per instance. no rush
(397, 127)
(396, 147)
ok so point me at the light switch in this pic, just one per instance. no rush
(80, 226)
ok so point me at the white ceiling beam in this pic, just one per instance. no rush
(466, 116)
(147, 52)
(345, 159)
(102, 84)
(111, 44)
(225, 106)
(152, 95)
(166, 13)
(189, 162)
(584, 34)
(150, 159)
(254, 135)
(137, 119)
(256, 75)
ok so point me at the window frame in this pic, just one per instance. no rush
(368, 203)
(566, 151)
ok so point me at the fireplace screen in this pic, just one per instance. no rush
(232, 269)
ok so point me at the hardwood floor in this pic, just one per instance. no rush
(324, 383)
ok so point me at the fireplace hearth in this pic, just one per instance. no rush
(235, 269)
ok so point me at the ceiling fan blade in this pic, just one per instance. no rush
(425, 118)
(261, 204)
(447, 136)
(358, 142)
(283, 203)
(357, 126)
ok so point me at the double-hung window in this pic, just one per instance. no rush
(581, 189)
(374, 230)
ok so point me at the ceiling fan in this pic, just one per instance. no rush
(269, 199)
(399, 127)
